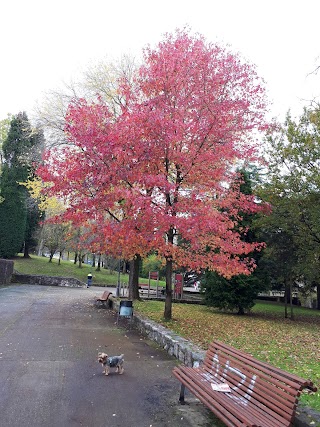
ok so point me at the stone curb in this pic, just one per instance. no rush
(69, 282)
(185, 351)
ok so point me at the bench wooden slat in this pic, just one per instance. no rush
(218, 409)
(279, 393)
(218, 398)
(285, 388)
(219, 406)
(224, 398)
(304, 383)
(261, 395)
(263, 390)
(255, 365)
(105, 296)
(238, 397)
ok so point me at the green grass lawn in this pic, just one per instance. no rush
(41, 265)
(290, 345)
(293, 345)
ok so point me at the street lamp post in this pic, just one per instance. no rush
(118, 284)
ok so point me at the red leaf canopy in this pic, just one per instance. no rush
(158, 177)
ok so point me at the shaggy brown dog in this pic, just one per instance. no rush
(111, 362)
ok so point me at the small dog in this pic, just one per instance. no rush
(111, 362)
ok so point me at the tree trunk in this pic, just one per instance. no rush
(169, 269)
(285, 300)
(288, 299)
(124, 267)
(26, 250)
(98, 264)
(318, 296)
(40, 249)
(291, 305)
(134, 278)
(168, 302)
(93, 260)
(240, 311)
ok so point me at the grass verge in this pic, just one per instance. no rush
(41, 265)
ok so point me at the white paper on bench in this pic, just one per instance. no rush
(221, 387)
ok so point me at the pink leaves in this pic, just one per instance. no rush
(164, 165)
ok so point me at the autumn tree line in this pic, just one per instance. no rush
(172, 158)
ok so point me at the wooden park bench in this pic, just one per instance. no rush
(145, 289)
(105, 300)
(259, 394)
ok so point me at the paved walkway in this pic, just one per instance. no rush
(49, 374)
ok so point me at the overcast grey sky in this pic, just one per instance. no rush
(45, 42)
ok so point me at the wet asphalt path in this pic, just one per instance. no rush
(49, 374)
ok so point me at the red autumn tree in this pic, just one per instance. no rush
(88, 176)
(163, 169)
(192, 119)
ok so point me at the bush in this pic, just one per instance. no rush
(237, 293)
(152, 263)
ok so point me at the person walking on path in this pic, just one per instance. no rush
(89, 280)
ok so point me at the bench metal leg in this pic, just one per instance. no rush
(181, 398)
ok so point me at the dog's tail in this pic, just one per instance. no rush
(121, 356)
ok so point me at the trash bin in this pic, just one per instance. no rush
(125, 309)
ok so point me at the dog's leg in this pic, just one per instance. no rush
(107, 370)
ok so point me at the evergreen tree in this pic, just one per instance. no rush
(4, 128)
(34, 213)
(293, 191)
(239, 292)
(20, 150)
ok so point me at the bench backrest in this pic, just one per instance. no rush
(105, 296)
(254, 384)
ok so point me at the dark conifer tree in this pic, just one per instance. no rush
(239, 292)
(20, 150)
